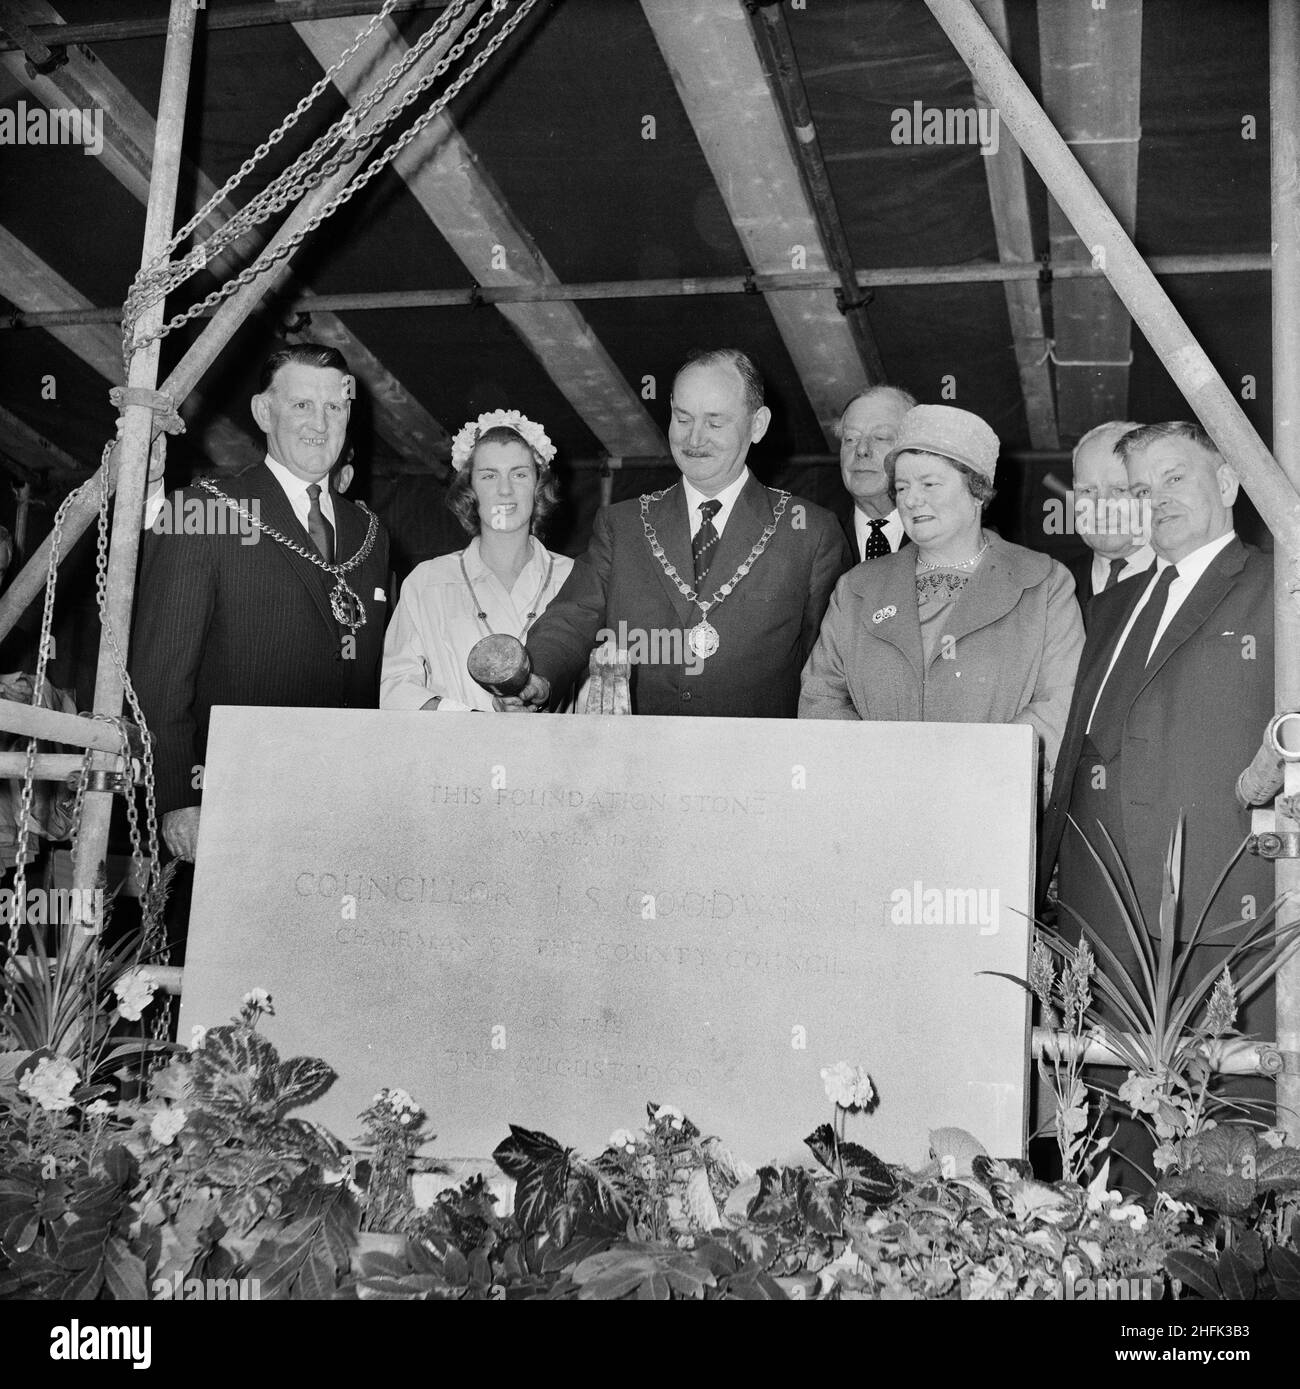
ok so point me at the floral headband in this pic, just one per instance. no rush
(462, 446)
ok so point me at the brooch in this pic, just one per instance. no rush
(881, 614)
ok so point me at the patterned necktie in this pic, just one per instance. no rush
(877, 542)
(1126, 675)
(706, 539)
(1116, 566)
(320, 530)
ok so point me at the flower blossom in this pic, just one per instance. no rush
(166, 1125)
(1140, 1093)
(134, 992)
(623, 1139)
(1131, 1212)
(99, 1109)
(51, 1082)
(670, 1114)
(259, 1000)
(847, 1086)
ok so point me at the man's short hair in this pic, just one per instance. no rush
(1120, 428)
(910, 401)
(307, 354)
(729, 357)
(1148, 434)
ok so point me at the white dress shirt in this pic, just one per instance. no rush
(892, 530)
(1190, 569)
(435, 625)
(727, 497)
(294, 489)
(1136, 563)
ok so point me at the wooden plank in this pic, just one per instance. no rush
(462, 201)
(715, 64)
(32, 451)
(400, 420)
(1091, 66)
(1009, 202)
(27, 281)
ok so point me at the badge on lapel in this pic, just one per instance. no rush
(882, 614)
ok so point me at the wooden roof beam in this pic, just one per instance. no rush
(460, 198)
(1009, 203)
(34, 453)
(399, 419)
(1091, 66)
(29, 283)
(715, 63)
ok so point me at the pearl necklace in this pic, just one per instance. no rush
(923, 568)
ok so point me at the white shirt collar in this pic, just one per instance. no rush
(1137, 563)
(727, 497)
(295, 489)
(476, 566)
(1191, 567)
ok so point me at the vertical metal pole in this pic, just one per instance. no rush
(1284, 189)
(128, 512)
(22, 515)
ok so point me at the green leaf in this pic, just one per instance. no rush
(1193, 1272)
(124, 1273)
(1278, 1169)
(82, 1244)
(316, 1281)
(1284, 1267)
(1235, 1277)
(540, 1168)
(822, 1204)
(1250, 1248)
(455, 1267)
(235, 1074)
(648, 1272)
(303, 1079)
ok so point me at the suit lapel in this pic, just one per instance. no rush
(750, 514)
(990, 595)
(278, 514)
(901, 628)
(1107, 633)
(1209, 591)
(671, 526)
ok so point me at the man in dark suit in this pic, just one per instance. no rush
(722, 581)
(867, 431)
(265, 588)
(1109, 521)
(1174, 691)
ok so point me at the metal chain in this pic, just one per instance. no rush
(23, 827)
(162, 276)
(272, 255)
(277, 134)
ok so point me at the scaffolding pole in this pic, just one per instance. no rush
(137, 432)
(1284, 197)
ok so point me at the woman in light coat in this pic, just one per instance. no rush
(960, 626)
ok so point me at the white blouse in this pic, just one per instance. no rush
(436, 623)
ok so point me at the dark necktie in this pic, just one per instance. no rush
(320, 530)
(706, 540)
(1121, 687)
(1116, 568)
(877, 542)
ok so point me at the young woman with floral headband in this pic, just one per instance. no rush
(503, 492)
